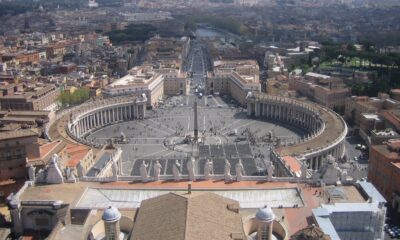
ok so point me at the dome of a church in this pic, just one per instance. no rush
(111, 214)
(265, 214)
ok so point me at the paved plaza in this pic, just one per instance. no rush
(225, 129)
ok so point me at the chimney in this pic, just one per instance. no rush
(189, 188)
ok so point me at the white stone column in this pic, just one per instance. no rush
(84, 125)
(256, 109)
(80, 127)
(91, 121)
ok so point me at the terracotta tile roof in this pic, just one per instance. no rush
(47, 148)
(76, 153)
(174, 216)
(294, 165)
(46, 151)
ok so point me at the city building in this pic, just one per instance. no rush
(8, 89)
(175, 82)
(155, 83)
(347, 221)
(23, 57)
(161, 49)
(384, 170)
(357, 105)
(92, 4)
(325, 90)
(30, 118)
(78, 158)
(236, 78)
(140, 80)
(16, 147)
(40, 97)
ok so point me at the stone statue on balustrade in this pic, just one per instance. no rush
(227, 171)
(143, 171)
(175, 170)
(239, 171)
(343, 176)
(31, 173)
(356, 173)
(114, 169)
(53, 173)
(270, 169)
(157, 170)
(208, 169)
(69, 174)
(330, 171)
(190, 168)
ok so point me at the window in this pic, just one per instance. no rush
(42, 222)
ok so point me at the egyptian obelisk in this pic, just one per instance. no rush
(196, 130)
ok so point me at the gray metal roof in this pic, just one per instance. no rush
(325, 223)
(372, 192)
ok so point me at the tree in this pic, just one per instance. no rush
(77, 97)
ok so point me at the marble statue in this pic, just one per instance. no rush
(227, 171)
(69, 173)
(41, 176)
(31, 173)
(123, 137)
(175, 170)
(239, 170)
(330, 172)
(115, 171)
(80, 170)
(53, 173)
(270, 169)
(157, 170)
(190, 168)
(208, 169)
(343, 176)
(143, 171)
(356, 173)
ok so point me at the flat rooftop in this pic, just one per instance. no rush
(250, 194)
(17, 134)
